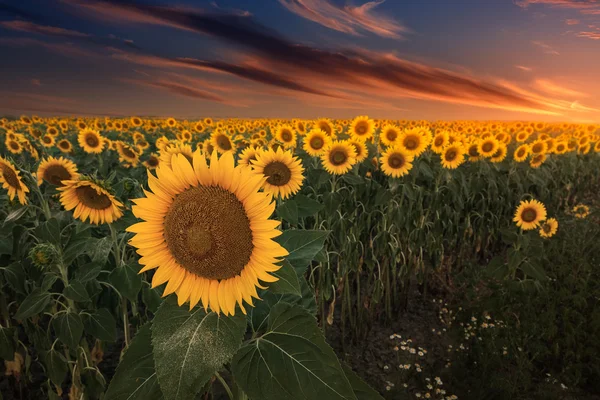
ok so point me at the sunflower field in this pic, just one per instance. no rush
(153, 258)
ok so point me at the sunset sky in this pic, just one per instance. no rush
(399, 59)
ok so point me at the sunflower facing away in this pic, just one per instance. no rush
(362, 128)
(90, 141)
(339, 157)
(581, 211)
(207, 231)
(396, 162)
(55, 170)
(549, 228)
(90, 200)
(316, 142)
(10, 180)
(282, 170)
(529, 214)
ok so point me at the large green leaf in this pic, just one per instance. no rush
(56, 366)
(101, 325)
(88, 272)
(189, 347)
(290, 361)
(288, 280)
(49, 231)
(76, 291)
(302, 245)
(288, 211)
(307, 206)
(135, 377)
(68, 328)
(33, 304)
(127, 281)
(101, 250)
(361, 389)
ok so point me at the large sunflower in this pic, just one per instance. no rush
(396, 162)
(90, 141)
(286, 135)
(55, 170)
(538, 147)
(316, 142)
(362, 128)
(90, 200)
(452, 156)
(389, 135)
(339, 157)
(10, 180)
(529, 214)
(549, 228)
(208, 232)
(500, 154)
(282, 170)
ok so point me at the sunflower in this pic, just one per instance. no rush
(396, 161)
(561, 147)
(248, 155)
(452, 156)
(47, 140)
(90, 200)
(529, 214)
(537, 160)
(175, 148)
(90, 141)
(581, 211)
(549, 228)
(286, 135)
(362, 152)
(414, 141)
(500, 154)
(64, 126)
(127, 153)
(522, 136)
(316, 142)
(326, 126)
(339, 157)
(440, 141)
(208, 121)
(538, 147)
(488, 147)
(26, 120)
(389, 134)
(81, 125)
(136, 121)
(221, 141)
(473, 152)
(55, 170)
(300, 127)
(207, 230)
(362, 128)
(171, 122)
(152, 162)
(13, 146)
(282, 170)
(52, 131)
(521, 153)
(10, 180)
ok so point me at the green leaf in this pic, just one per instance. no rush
(68, 328)
(101, 250)
(151, 298)
(76, 247)
(361, 389)
(288, 211)
(7, 343)
(127, 281)
(534, 271)
(302, 245)
(190, 347)
(135, 377)
(76, 291)
(16, 277)
(49, 231)
(88, 272)
(291, 361)
(288, 280)
(307, 206)
(56, 367)
(497, 268)
(33, 304)
(48, 281)
(15, 214)
(102, 325)
(353, 179)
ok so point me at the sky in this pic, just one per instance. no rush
(393, 59)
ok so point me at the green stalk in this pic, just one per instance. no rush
(225, 385)
(119, 264)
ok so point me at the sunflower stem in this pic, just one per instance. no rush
(225, 385)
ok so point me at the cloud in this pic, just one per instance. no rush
(523, 68)
(546, 48)
(589, 35)
(572, 21)
(347, 19)
(551, 87)
(66, 49)
(35, 82)
(572, 4)
(30, 27)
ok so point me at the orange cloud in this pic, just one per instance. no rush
(589, 35)
(347, 19)
(546, 48)
(550, 87)
(523, 68)
(30, 27)
(572, 21)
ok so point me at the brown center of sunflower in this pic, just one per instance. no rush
(325, 128)
(317, 143)
(89, 197)
(396, 161)
(537, 148)
(14, 146)
(411, 142)
(63, 144)
(439, 141)
(47, 139)
(520, 152)
(55, 174)
(208, 232)
(361, 128)
(451, 155)
(473, 152)
(546, 228)
(277, 173)
(286, 135)
(338, 157)
(529, 215)
(498, 153)
(127, 152)
(10, 177)
(487, 147)
(91, 140)
(152, 161)
(223, 142)
(391, 135)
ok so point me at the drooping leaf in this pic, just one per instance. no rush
(290, 361)
(288, 280)
(68, 328)
(135, 377)
(33, 304)
(189, 347)
(16, 277)
(102, 325)
(15, 214)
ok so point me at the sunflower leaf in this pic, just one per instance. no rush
(303, 245)
(361, 389)
(33, 304)
(135, 378)
(291, 360)
(68, 328)
(288, 211)
(189, 347)
(288, 280)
